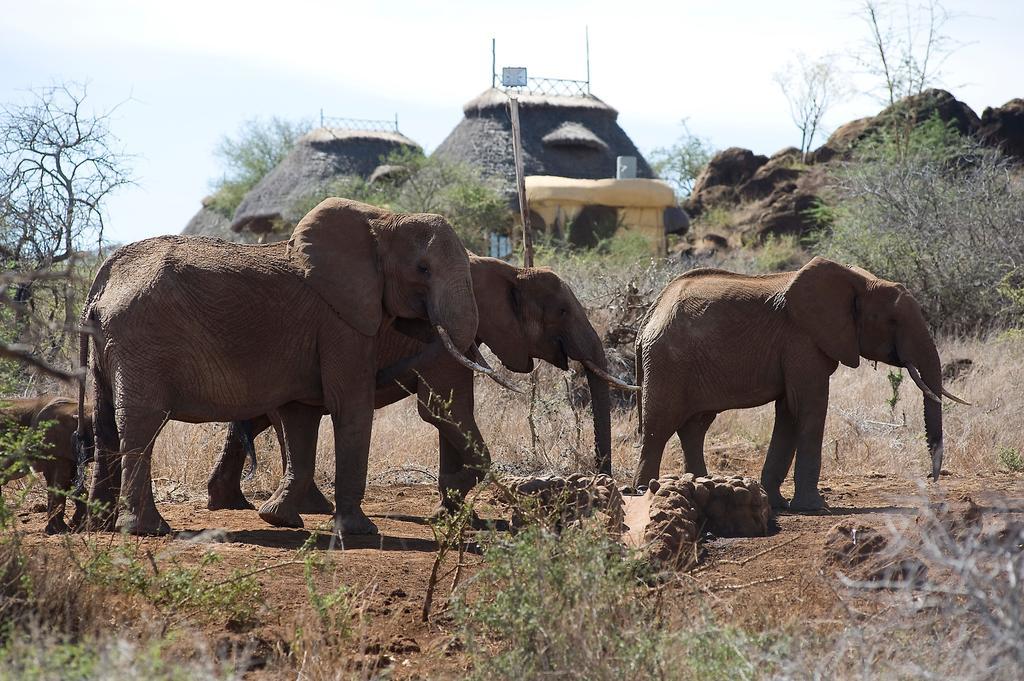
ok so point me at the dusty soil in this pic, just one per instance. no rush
(778, 579)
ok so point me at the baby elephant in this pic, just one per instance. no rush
(59, 461)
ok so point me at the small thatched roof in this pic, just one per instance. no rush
(576, 137)
(317, 159)
(571, 134)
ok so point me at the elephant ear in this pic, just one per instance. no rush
(820, 300)
(335, 247)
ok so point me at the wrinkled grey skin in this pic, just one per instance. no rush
(715, 340)
(524, 314)
(195, 329)
(59, 460)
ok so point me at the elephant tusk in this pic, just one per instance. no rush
(916, 375)
(617, 382)
(505, 383)
(955, 398)
(470, 364)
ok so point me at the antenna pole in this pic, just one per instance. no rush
(586, 35)
(517, 156)
(494, 63)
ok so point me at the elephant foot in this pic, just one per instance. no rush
(220, 498)
(80, 517)
(56, 526)
(280, 513)
(808, 503)
(353, 521)
(775, 498)
(148, 522)
(315, 502)
(101, 517)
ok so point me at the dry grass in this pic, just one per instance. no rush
(862, 434)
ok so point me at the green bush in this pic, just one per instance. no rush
(576, 606)
(1011, 459)
(939, 213)
(471, 204)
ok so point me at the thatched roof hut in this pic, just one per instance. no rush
(318, 158)
(577, 137)
(211, 222)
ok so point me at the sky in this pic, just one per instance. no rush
(182, 75)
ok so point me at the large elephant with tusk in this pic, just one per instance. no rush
(524, 314)
(715, 340)
(196, 329)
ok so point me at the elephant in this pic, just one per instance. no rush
(197, 329)
(714, 340)
(59, 460)
(524, 314)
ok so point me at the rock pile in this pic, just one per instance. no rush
(664, 524)
(559, 502)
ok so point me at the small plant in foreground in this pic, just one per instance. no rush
(1011, 459)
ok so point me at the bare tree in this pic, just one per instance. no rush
(58, 165)
(811, 87)
(907, 46)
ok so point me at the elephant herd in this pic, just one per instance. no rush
(363, 307)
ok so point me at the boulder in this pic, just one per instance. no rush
(726, 171)
(1003, 127)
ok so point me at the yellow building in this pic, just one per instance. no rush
(586, 211)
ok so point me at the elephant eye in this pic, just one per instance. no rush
(423, 269)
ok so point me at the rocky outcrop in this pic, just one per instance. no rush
(718, 182)
(1003, 127)
(767, 195)
(775, 195)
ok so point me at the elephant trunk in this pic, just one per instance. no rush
(600, 405)
(919, 356)
(585, 346)
(453, 309)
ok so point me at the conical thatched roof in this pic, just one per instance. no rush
(318, 158)
(576, 137)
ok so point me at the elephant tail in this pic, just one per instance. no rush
(639, 358)
(81, 442)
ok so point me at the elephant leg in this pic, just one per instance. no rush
(105, 487)
(352, 425)
(810, 431)
(314, 502)
(58, 476)
(224, 486)
(299, 423)
(655, 437)
(138, 513)
(691, 439)
(463, 455)
(780, 454)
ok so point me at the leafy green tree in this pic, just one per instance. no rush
(681, 163)
(248, 156)
(471, 204)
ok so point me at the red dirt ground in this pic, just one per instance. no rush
(391, 570)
